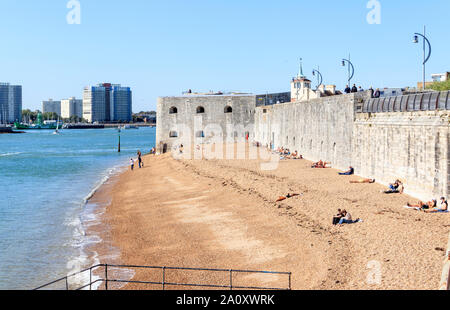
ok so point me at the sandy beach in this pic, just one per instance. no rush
(223, 214)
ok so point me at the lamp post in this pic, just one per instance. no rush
(119, 140)
(351, 69)
(319, 76)
(425, 57)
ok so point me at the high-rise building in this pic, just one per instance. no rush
(94, 104)
(10, 103)
(121, 109)
(107, 102)
(71, 107)
(51, 106)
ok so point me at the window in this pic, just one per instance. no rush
(228, 109)
(200, 134)
(173, 134)
(173, 110)
(200, 110)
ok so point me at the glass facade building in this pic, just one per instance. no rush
(10, 103)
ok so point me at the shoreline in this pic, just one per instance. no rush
(166, 199)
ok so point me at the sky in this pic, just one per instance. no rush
(162, 48)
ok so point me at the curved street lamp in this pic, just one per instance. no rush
(425, 57)
(319, 77)
(351, 69)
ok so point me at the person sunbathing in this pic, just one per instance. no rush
(396, 188)
(320, 164)
(287, 197)
(351, 171)
(370, 181)
(443, 208)
(423, 206)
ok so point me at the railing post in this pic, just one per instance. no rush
(164, 279)
(106, 277)
(231, 279)
(90, 279)
(67, 284)
(290, 287)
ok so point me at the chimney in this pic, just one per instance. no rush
(331, 89)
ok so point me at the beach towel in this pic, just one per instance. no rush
(411, 208)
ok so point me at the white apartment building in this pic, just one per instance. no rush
(71, 107)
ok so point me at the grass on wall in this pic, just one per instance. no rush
(440, 86)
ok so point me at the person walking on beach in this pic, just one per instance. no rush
(132, 164)
(141, 163)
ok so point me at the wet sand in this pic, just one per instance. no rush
(223, 214)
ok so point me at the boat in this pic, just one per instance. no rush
(39, 125)
(56, 132)
(130, 127)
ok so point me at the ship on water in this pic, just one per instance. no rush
(39, 125)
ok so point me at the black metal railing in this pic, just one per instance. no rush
(428, 101)
(163, 283)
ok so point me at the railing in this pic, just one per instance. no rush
(429, 101)
(164, 270)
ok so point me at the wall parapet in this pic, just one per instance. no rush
(430, 101)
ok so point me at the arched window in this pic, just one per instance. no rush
(173, 134)
(228, 109)
(200, 110)
(173, 110)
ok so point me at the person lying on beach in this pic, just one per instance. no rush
(287, 197)
(295, 155)
(443, 208)
(396, 188)
(370, 181)
(423, 206)
(320, 164)
(351, 171)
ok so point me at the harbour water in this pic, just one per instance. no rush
(45, 181)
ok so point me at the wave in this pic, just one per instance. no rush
(111, 172)
(10, 154)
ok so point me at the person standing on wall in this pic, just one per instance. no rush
(377, 93)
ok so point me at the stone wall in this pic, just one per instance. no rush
(176, 114)
(318, 129)
(395, 143)
(411, 146)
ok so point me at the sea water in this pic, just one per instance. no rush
(45, 182)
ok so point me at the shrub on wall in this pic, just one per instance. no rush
(440, 86)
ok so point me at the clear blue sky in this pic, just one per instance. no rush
(161, 48)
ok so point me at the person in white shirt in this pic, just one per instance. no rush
(347, 219)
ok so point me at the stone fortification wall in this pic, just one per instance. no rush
(318, 129)
(198, 113)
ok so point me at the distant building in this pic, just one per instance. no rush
(107, 103)
(121, 104)
(437, 77)
(51, 106)
(94, 104)
(71, 107)
(10, 103)
(441, 77)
